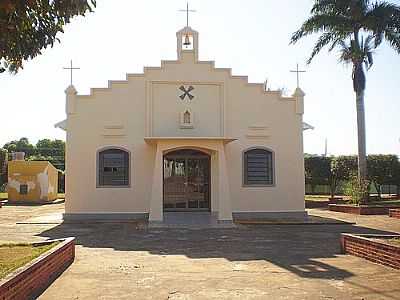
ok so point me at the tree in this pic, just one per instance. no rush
(344, 23)
(317, 170)
(396, 177)
(45, 149)
(342, 167)
(382, 170)
(51, 150)
(23, 145)
(28, 26)
(3, 166)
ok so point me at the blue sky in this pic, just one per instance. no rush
(251, 37)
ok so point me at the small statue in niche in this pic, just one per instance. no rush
(186, 117)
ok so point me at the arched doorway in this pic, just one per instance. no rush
(186, 184)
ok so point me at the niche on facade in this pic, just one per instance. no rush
(186, 119)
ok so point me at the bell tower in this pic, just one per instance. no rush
(187, 43)
(187, 39)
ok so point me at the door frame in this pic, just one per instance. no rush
(203, 155)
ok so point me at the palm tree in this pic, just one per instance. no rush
(344, 24)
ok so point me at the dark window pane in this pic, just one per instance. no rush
(23, 189)
(258, 167)
(113, 168)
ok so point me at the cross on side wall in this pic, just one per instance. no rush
(297, 71)
(71, 68)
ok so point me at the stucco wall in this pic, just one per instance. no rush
(40, 176)
(148, 104)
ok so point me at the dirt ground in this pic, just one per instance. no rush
(119, 261)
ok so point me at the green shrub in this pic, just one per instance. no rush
(357, 190)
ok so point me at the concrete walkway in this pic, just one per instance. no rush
(379, 222)
(118, 261)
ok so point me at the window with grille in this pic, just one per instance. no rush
(23, 189)
(113, 169)
(258, 167)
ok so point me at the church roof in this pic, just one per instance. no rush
(307, 126)
(62, 125)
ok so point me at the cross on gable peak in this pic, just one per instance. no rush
(297, 71)
(71, 68)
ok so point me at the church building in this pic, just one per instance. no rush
(184, 137)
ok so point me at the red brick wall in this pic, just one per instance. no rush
(316, 204)
(394, 213)
(359, 210)
(38, 275)
(381, 253)
(345, 209)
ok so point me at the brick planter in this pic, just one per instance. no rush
(394, 213)
(363, 245)
(316, 204)
(335, 200)
(360, 210)
(29, 281)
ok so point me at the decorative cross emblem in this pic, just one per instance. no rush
(186, 92)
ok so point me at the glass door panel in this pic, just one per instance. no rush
(174, 183)
(197, 187)
(187, 182)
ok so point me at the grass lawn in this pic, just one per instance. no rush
(13, 256)
(395, 241)
(384, 202)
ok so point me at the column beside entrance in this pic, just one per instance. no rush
(156, 200)
(224, 199)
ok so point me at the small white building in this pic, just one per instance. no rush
(185, 136)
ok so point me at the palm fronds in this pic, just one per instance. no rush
(352, 53)
(341, 20)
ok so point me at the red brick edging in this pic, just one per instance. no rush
(32, 279)
(360, 210)
(394, 213)
(379, 252)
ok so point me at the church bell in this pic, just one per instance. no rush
(187, 41)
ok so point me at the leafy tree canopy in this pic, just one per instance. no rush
(45, 149)
(3, 166)
(317, 169)
(28, 26)
(343, 167)
(383, 169)
(23, 145)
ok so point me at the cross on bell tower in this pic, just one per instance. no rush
(187, 11)
(187, 39)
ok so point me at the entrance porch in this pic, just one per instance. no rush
(190, 175)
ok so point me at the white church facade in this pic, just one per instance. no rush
(184, 137)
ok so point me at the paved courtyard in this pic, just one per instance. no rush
(119, 261)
